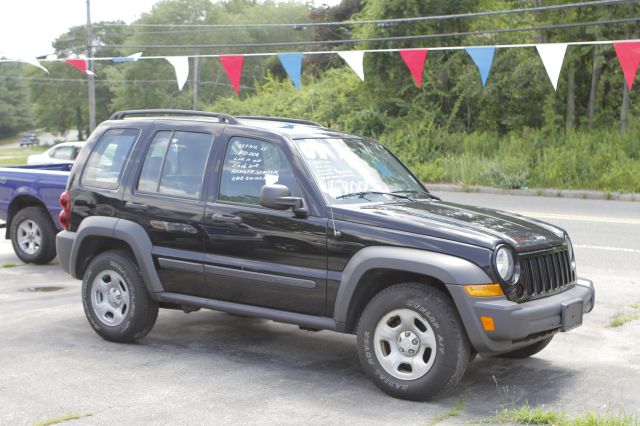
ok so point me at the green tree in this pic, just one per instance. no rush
(151, 84)
(15, 113)
(60, 98)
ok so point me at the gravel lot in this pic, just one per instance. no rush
(208, 367)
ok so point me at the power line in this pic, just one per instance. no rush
(380, 21)
(380, 39)
(330, 52)
(80, 80)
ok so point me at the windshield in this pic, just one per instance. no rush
(350, 170)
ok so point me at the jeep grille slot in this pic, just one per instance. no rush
(544, 273)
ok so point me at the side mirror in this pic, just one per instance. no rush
(279, 197)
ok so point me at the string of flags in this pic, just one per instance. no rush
(551, 54)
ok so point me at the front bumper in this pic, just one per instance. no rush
(520, 324)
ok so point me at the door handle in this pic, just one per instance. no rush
(135, 206)
(217, 217)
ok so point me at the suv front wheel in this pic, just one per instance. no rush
(115, 299)
(411, 342)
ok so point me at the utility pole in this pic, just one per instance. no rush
(196, 82)
(90, 78)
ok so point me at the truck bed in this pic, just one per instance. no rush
(44, 183)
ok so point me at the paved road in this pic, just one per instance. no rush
(210, 367)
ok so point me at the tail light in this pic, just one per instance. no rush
(64, 218)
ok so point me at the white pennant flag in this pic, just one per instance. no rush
(181, 66)
(552, 55)
(34, 62)
(354, 58)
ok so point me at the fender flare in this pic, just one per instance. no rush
(124, 230)
(448, 269)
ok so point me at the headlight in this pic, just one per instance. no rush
(505, 264)
(572, 257)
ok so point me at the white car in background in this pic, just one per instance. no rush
(65, 152)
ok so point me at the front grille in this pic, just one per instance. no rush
(543, 273)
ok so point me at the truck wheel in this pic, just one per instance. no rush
(33, 236)
(411, 342)
(115, 299)
(528, 351)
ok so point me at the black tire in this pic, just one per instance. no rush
(39, 220)
(433, 307)
(527, 351)
(140, 312)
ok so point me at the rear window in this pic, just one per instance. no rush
(106, 162)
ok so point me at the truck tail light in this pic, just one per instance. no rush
(64, 218)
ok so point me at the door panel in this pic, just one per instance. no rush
(256, 255)
(266, 257)
(167, 201)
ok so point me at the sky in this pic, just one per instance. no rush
(28, 27)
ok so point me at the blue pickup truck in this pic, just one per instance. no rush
(29, 207)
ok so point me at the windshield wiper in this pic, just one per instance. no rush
(416, 192)
(363, 194)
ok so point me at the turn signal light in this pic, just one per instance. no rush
(484, 290)
(488, 324)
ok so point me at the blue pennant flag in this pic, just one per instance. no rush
(130, 58)
(483, 58)
(292, 63)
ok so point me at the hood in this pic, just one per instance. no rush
(466, 224)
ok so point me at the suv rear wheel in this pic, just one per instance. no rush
(411, 342)
(33, 236)
(115, 299)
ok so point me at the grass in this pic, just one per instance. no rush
(526, 415)
(65, 418)
(18, 156)
(531, 416)
(9, 265)
(622, 318)
(455, 411)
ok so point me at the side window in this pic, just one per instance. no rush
(108, 158)
(175, 163)
(250, 164)
(63, 153)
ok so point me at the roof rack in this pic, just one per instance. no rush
(284, 120)
(221, 117)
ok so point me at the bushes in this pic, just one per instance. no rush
(602, 160)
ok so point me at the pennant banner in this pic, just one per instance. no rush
(181, 67)
(80, 64)
(629, 58)
(414, 58)
(232, 65)
(552, 56)
(292, 63)
(131, 58)
(355, 59)
(34, 62)
(483, 58)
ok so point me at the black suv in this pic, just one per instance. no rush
(287, 220)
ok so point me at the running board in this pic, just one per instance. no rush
(311, 321)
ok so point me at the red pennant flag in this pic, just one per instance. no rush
(232, 65)
(414, 58)
(80, 64)
(629, 57)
